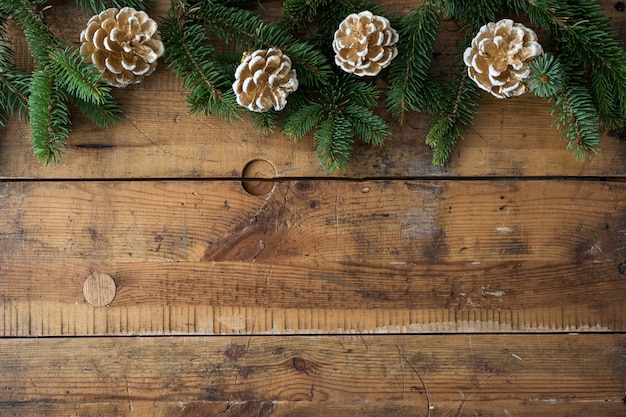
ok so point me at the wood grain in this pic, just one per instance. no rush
(256, 298)
(511, 138)
(313, 256)
(459, 375)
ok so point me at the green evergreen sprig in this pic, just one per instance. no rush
(49, 117)
(97, 6)
(412, 88)
(472, 14)
(340, 115)
(191, 56)
(336, 109)
(577, 119)
(449, 126)
(582, 33)
(547, 77)
(250, 32)
(577, 32)
(582, 73)
(60, 78)
(14, 83)
(574, 110)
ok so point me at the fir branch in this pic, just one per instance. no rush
(585, 36)
(340, 114)
(356, 91)
(448, 127)
(546, 77)
(14, 83)
(190, 57)
(411, 84)
(14, 91)
(60, 77)
(442, 137)
(301, 122)
(473, 13)
(105, 114)
(250, 32)
(333, 141)
(97, 6)
(366, 125)
(264, 122)
(38, 36)
(576, 117)
(299, 13)
(77, 77)
(49, 117)
(542, 13)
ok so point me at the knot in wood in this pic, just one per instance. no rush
(299, 364)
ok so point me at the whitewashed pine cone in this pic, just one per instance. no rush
(364, 44)
(498, 57)
(123, 45)
(264, 79)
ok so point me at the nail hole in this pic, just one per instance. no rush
(258, 176)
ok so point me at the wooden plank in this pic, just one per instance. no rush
(510, 137)
(395, 408)
(456, 375)
(206, 257)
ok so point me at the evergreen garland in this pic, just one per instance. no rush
(336, 108)
(576, 30)
(582, 72)
(60, 78)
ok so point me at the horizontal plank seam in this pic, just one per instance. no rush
(316, 335)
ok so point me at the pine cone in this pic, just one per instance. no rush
(498, 57)
(264, 79)
(364, 44)
(123, 45)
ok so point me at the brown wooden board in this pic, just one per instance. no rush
(312, 256)
(455, 375)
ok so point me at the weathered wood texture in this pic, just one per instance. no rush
(507, 266)
(457, 375)
(313, 256)
(156, 138)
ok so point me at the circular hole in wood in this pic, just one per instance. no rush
(258, 177)
(99, 289)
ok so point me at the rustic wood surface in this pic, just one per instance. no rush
(182, 266)
(468, 375)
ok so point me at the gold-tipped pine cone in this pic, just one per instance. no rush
(264, 79)
(365, 43)
(123, 45)
(498, 57)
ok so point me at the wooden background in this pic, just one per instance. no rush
(493, 286)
